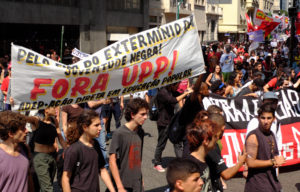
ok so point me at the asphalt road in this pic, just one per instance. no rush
(156, 182)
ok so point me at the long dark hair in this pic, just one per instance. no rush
(85, 119)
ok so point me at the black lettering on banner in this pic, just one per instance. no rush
(46, 61)
(116, 49)
(240, 110)
(21, 55)
(95, 60)
(141, 40)
(144, 54)
(114, 93)
(29, 58)
(26, 106)
(141, 87)
(107, 54)
(176, 77)
(87, 63)
(152, 38)
(133, 43)
(177, 28)
(165, 32)
(124, 43)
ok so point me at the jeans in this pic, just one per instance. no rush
(1, 100)
(101, 141)
(161, 144)
(7, 107)
(115, 110)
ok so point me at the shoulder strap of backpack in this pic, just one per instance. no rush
(79, 156)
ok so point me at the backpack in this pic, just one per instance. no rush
(76, 169)
(175, 129)
(153, 109)
(60, 165)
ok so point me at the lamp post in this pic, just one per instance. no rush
(178, 3)
(61, 42)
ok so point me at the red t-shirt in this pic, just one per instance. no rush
(240, 50)
(4, 86)
(272, 83)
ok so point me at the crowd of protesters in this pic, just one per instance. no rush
(70, 141)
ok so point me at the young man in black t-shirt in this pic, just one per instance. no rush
(215, 161)
(83, 160)
(126, 148)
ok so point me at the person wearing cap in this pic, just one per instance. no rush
(5, 86)
(252, 89)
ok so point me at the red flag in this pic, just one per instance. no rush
(268, 27)
(297, 25)
(250, 27)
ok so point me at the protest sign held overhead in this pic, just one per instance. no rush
(143, 61)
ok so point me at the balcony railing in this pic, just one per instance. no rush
(213, 9)
(184, 6)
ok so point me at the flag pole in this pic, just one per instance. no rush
(61, 42)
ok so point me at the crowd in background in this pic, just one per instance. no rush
(71, 140)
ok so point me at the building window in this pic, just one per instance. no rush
(153, 19)
(213, 26)
(124, 5)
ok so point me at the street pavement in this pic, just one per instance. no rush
(156, 182)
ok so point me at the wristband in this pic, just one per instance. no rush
(273, 162)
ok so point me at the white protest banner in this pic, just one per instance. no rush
(77, 53)
(143, 61)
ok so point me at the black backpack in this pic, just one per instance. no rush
(60, 165)
(153, 109)
(176, 130)
(76, 169)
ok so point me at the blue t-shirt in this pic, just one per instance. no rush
(226, 62)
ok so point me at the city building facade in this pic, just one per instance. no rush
(88, 24)
(232, 25)
(206, 15)
(266, 5)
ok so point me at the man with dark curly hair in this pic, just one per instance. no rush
(14, 166)
(126, 148)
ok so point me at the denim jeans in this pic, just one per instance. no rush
(101, 141)
(115, 110)
(1, 100)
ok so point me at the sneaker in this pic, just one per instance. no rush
(159, 168)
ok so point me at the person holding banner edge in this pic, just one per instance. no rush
(166, 103)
